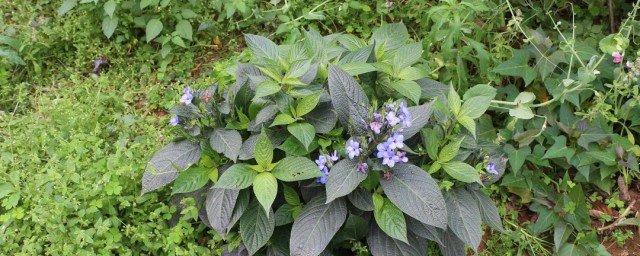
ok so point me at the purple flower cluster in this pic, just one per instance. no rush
(389, 151)
(322, 162)
(390, 124)
(175, 120)
(491, 167)
(187, 97)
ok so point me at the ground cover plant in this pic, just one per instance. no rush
(82, 112)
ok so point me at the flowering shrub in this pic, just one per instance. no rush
(385, 172)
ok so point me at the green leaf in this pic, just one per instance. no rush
(316, 225)
(613, 43)
(559, 149)
(449, 151)
(524, 98)
(629, 222)
(178, 41)
(227, 142)
(265, 187)
(474, 107)
(451, 244)
(284, 215)
(145, 3)
(304, 132)
(407, 55)
(431, 142)
(484, 90)
(323, 118)
(518, 66)
(110, 7)
(67, 6)
(454, 101)
(423, 230)
(469, 124)
(109, 26)
(462, 172)
(261, 47)
(412, 73)
(291, 196)
(590, 135)
(417, 194)
(282, 119)
(407, 88)
(299, 68)
(357, 68)
(153, 29)
(165, 164)
(361, 199)
(263, 150)
(307, 104)
(191, 180)
(343, 178)
(185, 30)
(521, 112)
(256, 227)
(295, 168)
(238, 176)
(266, 88)
(294, 147)
(389, 218)
(382, 245)
(391, 35)
(355, 228)
(571, 250)
(464, 216)
(517, 156)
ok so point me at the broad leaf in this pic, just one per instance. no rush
(282, 119)
(307, 104)
(323, 118)
(361, 199)
(407, 88)
(419, 118)
(464, 216)
(343, 179)
(475, 106)
(453, 99)
(518, 66)
(153, 29)
(382, 245)
(355, 228)
(161, 169)
(190, 180)
(109, 25)
(316, 224)
(517, 156)
(488, 210)
(407, 55)
(391, 35)
(295, 168)
(185, 30)
(304, 132)
(67, 6)
(559, 149)
(256, 227)
(416, 194)
(263, 150)
(389, 218)
(267, 87)
(349, 99)
(462, 172)
(219, 206)
(261, 47)
(451, 244)
(449, 151)
(265, 187)
(423, 230)
(238, 176)
(227, 142)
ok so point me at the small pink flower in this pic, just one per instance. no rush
(629, 65)
(389, 4)
(617, 57)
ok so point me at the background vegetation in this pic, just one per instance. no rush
(84, 86)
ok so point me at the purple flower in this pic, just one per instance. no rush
(98, 63)
(363, 167)
(353, 149)
(400, 156)
(334, 157)
(491, 167)
(187, 97)
(629, 65)
(376, 117)
(375, 127)
(322, 166)
(405, 115)
(174, 120)
(392, 119)
(397, 141)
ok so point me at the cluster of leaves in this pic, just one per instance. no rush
(246, 151)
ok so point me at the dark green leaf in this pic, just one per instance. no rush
(316, 224)
(343, 179)
(295, 168)
(518, 66)
(161, 169)
(304, 132)
(488, 210)
(417, 194)
(191, 180)
(219, 207)
(464, 216)
(307, 104)
(153, 29)
(263, 150)
(109, 25)
(517, 156)
(382, 245)
(389, 218)
(462, 171)
(419, 118)
(559, 149)
(238, 176)
(407, 88)
(256, 227)
(349, 99)
(261, 47)
(227, 142)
